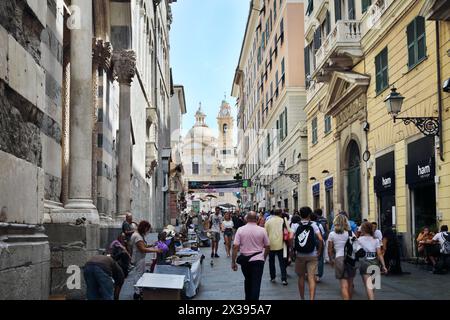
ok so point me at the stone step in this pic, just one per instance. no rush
(14, 238)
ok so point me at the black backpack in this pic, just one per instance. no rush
(305, 238)
(351, 256)
(446, 244)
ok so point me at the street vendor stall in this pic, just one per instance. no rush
(188, 263)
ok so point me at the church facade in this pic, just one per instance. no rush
(208, 157)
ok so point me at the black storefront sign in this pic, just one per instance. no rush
(385, 183)
(421, 171)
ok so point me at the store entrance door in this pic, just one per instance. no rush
(424, 206)
(385, 204)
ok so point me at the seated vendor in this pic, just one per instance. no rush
(162, 245)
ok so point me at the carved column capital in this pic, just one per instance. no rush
(101, 54)
(124, 65)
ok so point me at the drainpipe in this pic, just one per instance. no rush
(438, 65)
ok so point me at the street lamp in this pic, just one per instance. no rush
(429, 126)
(294, 177)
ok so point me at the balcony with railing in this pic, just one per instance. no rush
(341, 50)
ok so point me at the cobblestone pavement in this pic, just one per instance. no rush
(219, 282)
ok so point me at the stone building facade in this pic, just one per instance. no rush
(270, 86)
(85, 88)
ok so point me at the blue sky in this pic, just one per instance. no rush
(205, 43)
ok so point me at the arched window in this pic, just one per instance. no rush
(225, 128)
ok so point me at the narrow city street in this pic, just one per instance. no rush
(219, 282)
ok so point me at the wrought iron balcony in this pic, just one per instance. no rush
(341, 50)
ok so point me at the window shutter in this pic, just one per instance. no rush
(365, 5)
(328, 23)
(337, 10)
(278, 131)
(307, 65)
(421, 45)
(317, 39)
(286, 122)
(411, 40)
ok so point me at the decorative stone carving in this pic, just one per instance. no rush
(102, 54)
(350, 113)
(124, 65)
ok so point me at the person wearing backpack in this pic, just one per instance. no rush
(443, 238)
(308, 245)
(340, 251)
(373, 256)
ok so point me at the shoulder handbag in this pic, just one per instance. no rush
(287, 236)
(241, 259)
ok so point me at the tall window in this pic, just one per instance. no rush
(310, 7)
(327, 122)
(314, 131)
(268, 145)
(282, 73)
(275, 10)
(381, 69)
(351, 9)
(416, 41)
(195, 168)
(276, 84)
(282, 31)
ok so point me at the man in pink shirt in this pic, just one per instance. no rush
(253, 243)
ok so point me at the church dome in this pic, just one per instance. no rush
(200, 131)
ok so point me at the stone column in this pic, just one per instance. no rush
(81, 124)
(124, 64)
(101, 67)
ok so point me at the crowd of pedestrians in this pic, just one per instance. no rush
(307, 239)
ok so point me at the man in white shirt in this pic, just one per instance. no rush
(443, 238)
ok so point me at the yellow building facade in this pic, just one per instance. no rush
(361, 161)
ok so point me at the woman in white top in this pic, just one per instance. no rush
(227, 228)
(139, 250)
(373, 257)
(336, 252)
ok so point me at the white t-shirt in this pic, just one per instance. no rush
(339, 240)
(136, 254)
(439, 237)
(377, 234)
(228, 224)
(216, 222)
(370, 245)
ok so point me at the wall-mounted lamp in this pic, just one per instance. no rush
(294, 177)
(429, 126)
